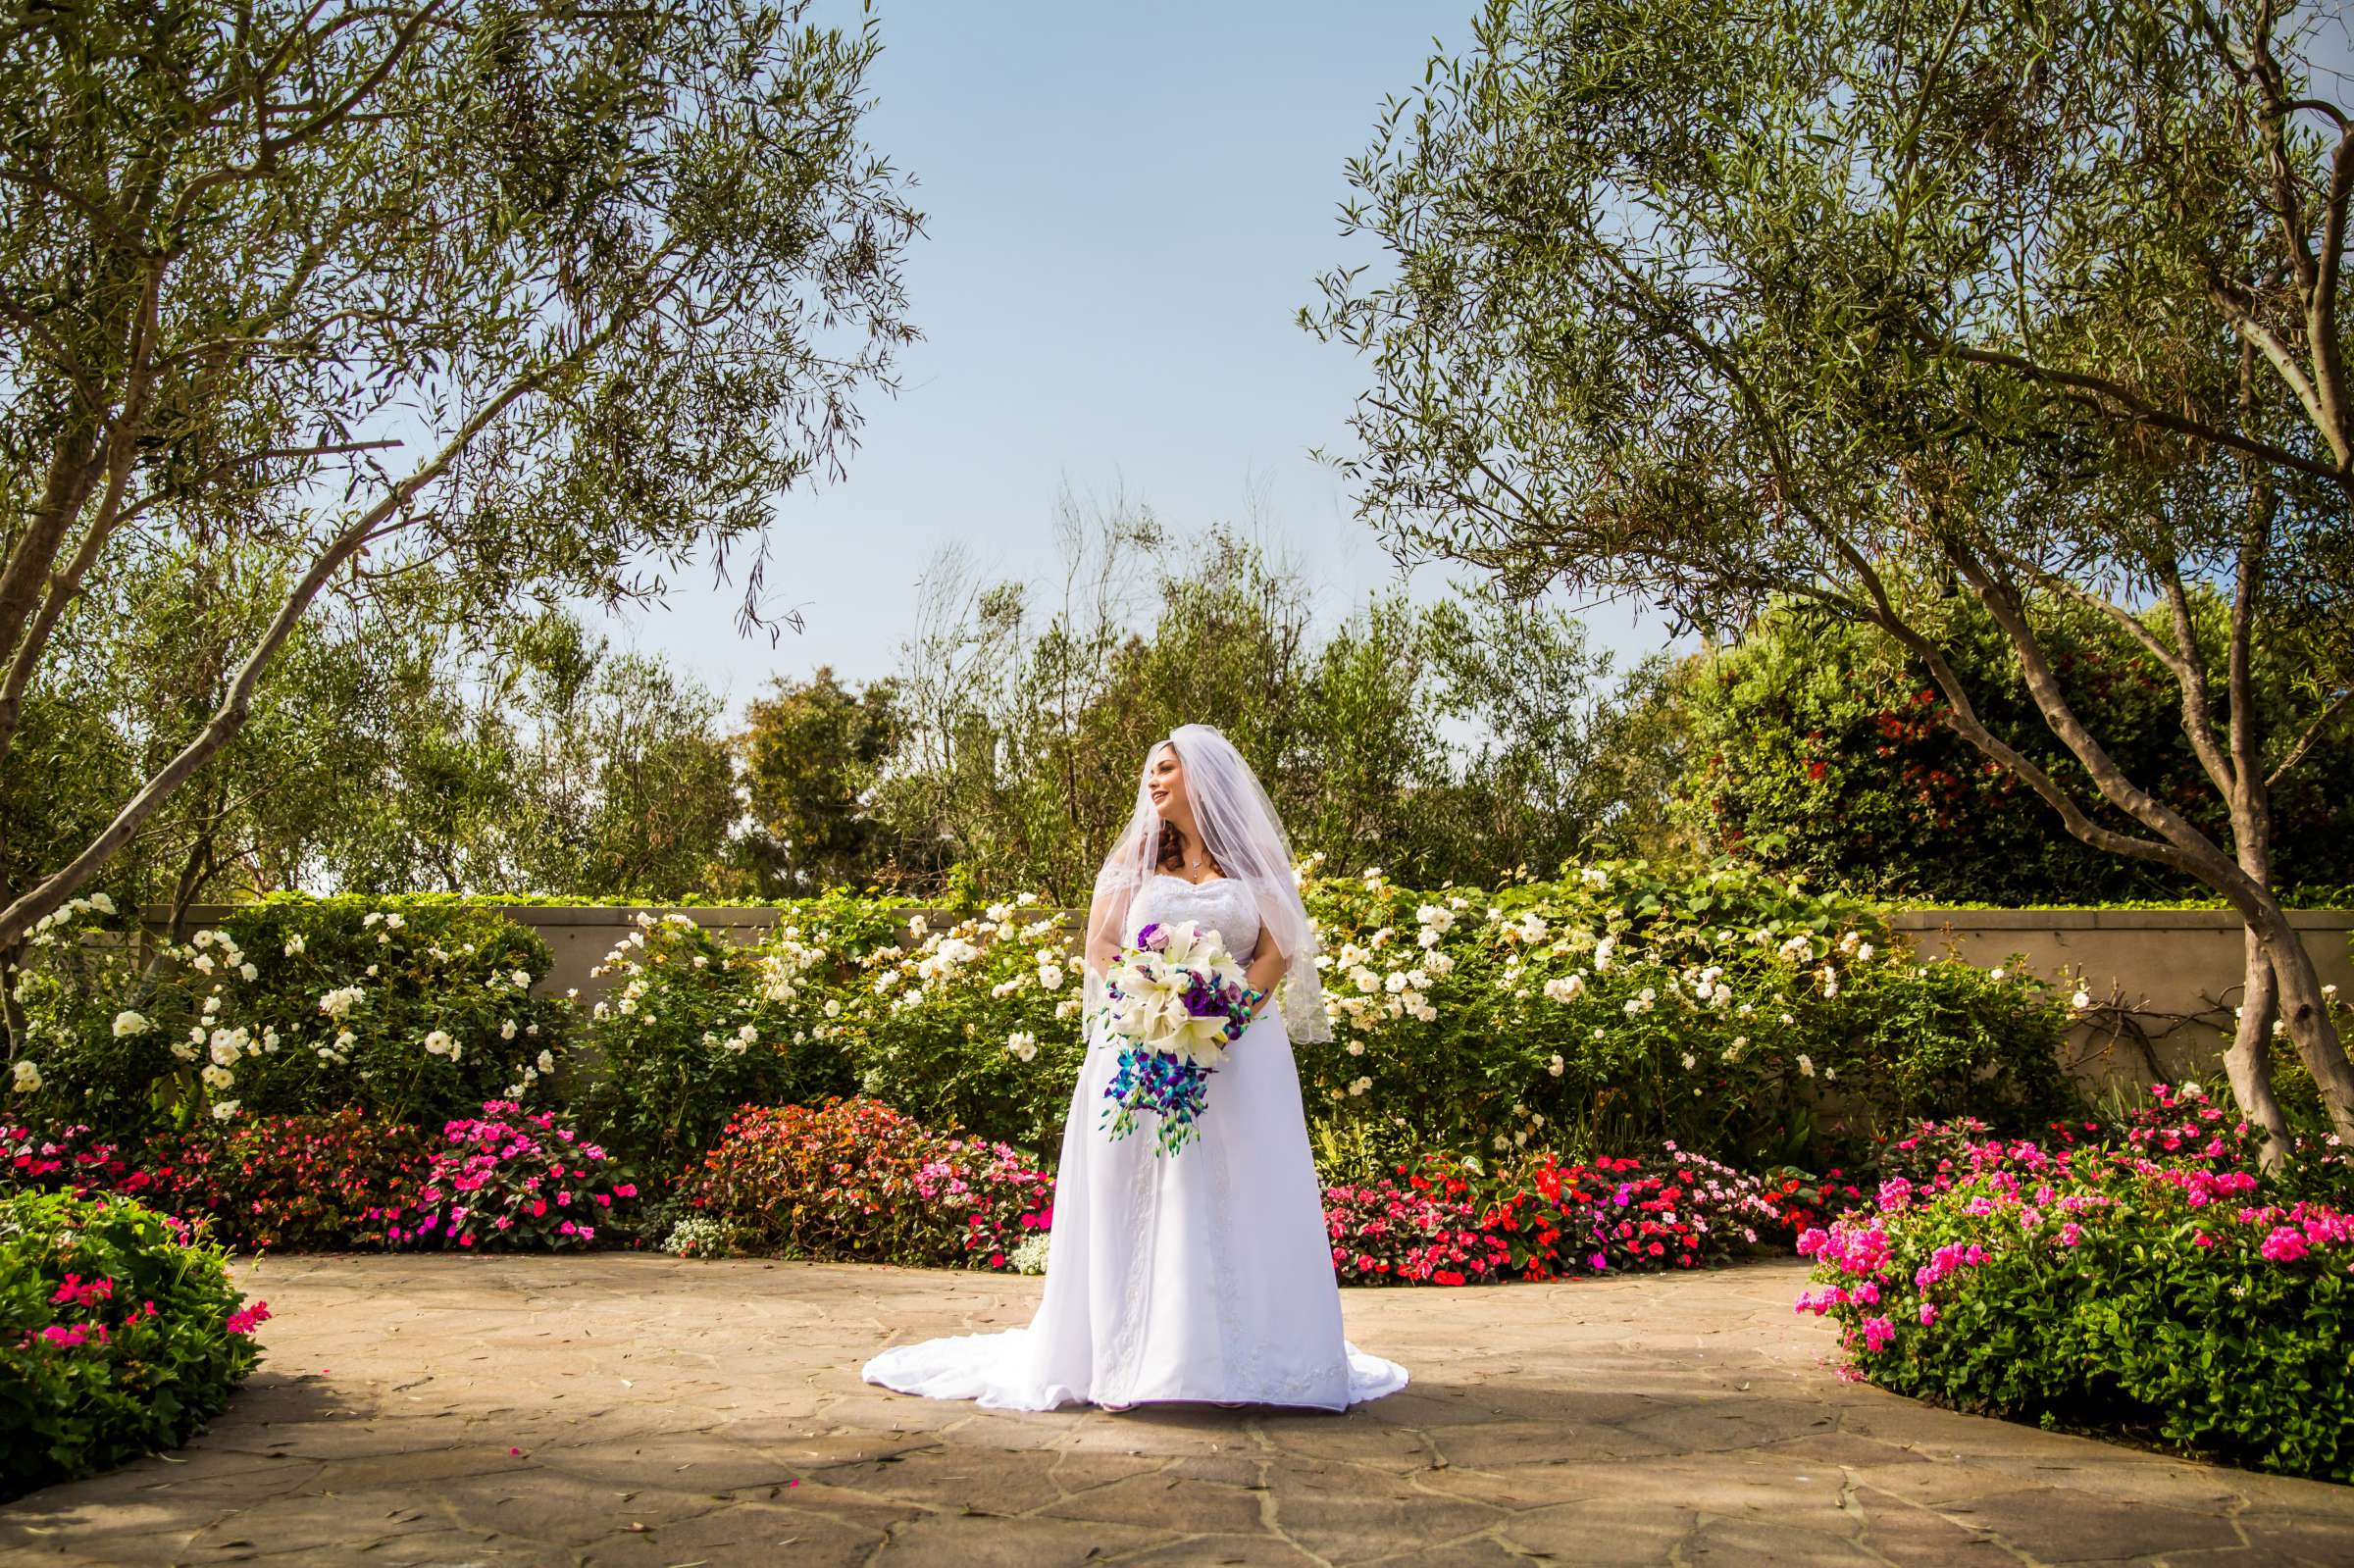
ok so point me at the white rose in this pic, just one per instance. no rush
(130, 1023)
(547, 1061)
(506, 1031)
(294, 944)
(28, 1076)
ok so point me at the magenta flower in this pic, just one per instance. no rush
(2286, 1244)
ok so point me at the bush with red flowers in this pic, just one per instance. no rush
(506, 1179)
(73, 1159)
(1677, 1210)
(1423, 1230)
(1446, 1219)
(1803, 1201)
(310, 1184)
(121, 1333)
(855, 1180)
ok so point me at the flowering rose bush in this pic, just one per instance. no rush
(696, 1025)
(121, 1333)
(507, 1180)
(974, 1022)
(855, 1180)
(1619, 1008)
(415, 1008)
(1615, 1009)
(2149, 1283)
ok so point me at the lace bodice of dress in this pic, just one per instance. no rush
(1223, 904)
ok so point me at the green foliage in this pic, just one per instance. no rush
(2113, 1298)
(1824, 748)
(74, 1401)
(1021, 730)
(410, 1009)
(855, 1180)
(697, 1025)
(811, 752)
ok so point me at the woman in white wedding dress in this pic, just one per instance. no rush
(1206, 1273)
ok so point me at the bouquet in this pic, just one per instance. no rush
(1175, 1000)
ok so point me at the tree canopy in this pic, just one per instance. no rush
(464, 303)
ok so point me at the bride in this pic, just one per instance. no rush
(1204, 1275)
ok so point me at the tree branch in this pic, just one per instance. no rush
(2142, 411)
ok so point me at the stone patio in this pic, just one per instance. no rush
(675, 1413)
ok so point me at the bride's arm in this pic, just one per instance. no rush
(1267, 966)
(1106, 915)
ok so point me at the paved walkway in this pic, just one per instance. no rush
(672, 1412)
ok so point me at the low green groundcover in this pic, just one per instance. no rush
(120, 1333)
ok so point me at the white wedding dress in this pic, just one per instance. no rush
(1205, 1274)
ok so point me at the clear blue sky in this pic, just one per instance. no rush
(1126, 205)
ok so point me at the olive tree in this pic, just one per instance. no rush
(501, 296)
(1867, 307)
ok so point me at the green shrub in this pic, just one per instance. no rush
(1825, 750)
(1620, 1008)
(411, 1009)
(855, 1180)
(1602, 1014)
(698, 1024)
(119, 1335)
(2101, 1289)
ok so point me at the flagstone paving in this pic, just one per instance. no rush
(627, 1409)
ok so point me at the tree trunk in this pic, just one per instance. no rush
(2305, 1014)
(2249, 1061)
